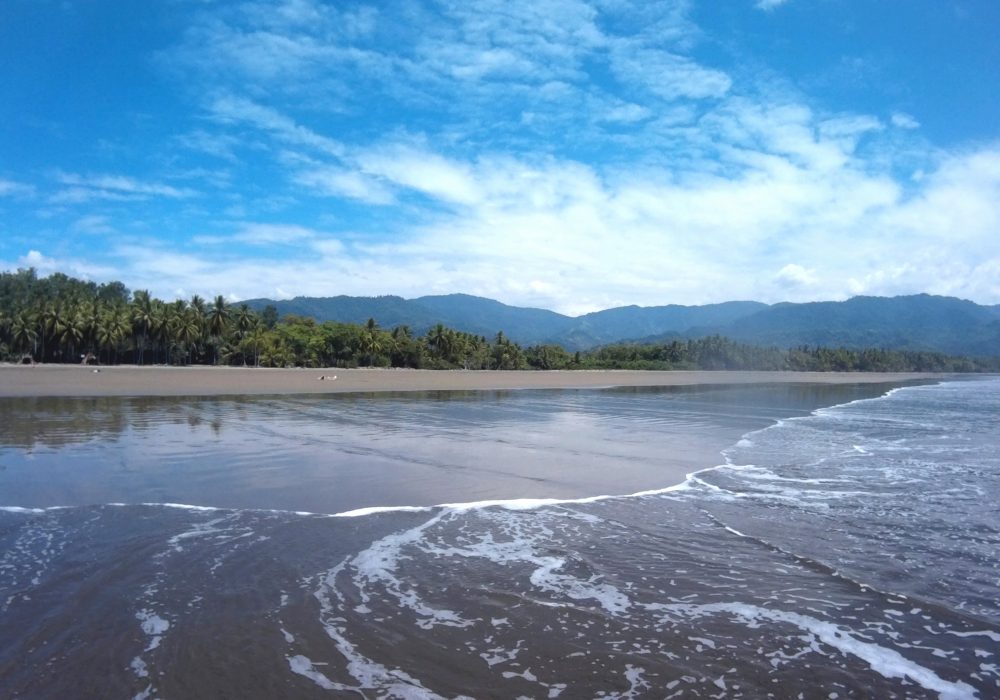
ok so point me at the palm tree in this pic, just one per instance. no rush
(200, 313)
(506, 355)
(114, 329)
(439, 341)
(371, 341)
(89, 314)
(23, 333)
(198, 304)
(159, 326)
(70, 333)
(244, 319)
(186, 331)
(49, 319)
(218, 322)
(255, 338)
(142, 319)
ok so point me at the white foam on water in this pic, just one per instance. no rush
(372, 510)
(980, 633)
(19, 509)
(526, 675)
(886, 662)
(547, 578)
(369, 674)
(765, 474)
(304, 667)
(184, 506)
(520, 548)
(637, 683)
(153, 626)
(199, 530)
(145, 694)
(500, 655)
(377, 564)
(138, 667)
(519, 504)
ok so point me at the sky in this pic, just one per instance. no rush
(566, 154)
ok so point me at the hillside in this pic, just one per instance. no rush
(916, 322)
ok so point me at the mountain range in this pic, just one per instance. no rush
(915, 322)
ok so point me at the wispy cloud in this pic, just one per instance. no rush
(340, 182)
(11, 188)
(84, 188)
(905, 121)
(94, 224)
(232, 109)
(667, 74)
(769, 4)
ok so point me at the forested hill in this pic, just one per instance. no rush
(917, 322)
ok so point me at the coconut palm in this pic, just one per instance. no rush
(22, 332)
(142, 319)
(439, 341)
(244, 319)
(218, 322)
(159, 326)
(70, 334)
(372, 341)
(49, 320)
(89, 314)
(186, 331)
(114, 330)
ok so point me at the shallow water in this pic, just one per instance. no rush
(332, 454)
(850, 550)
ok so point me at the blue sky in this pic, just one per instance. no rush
(570, 155)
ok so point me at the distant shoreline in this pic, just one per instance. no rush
(81, 381)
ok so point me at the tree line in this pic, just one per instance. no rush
(63, 319)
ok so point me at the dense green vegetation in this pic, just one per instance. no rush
(718, 353)
(915, 322)
(62, 319)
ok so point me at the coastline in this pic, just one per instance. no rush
(119, 380)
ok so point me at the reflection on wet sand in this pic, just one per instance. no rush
(331, 454)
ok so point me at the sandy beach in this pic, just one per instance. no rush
(73, 380)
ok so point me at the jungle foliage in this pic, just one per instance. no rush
(62, 319)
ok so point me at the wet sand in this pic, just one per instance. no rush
(74, 380)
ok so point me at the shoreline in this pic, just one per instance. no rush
(22, 381)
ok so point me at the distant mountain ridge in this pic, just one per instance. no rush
(915, 322)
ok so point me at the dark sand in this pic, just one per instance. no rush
(74, 380)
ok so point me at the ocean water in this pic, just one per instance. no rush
(828, 542)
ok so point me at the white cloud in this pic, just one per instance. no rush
(668, 75)
(905, 121)
(626, 113)
(793, 276)
(94, 224)
(46, 265)
(233, 109)
(560, 234)
(10, 188)
(84, 188)
(268, 234)
(423, 171)
(769, 4)
(340, 182)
